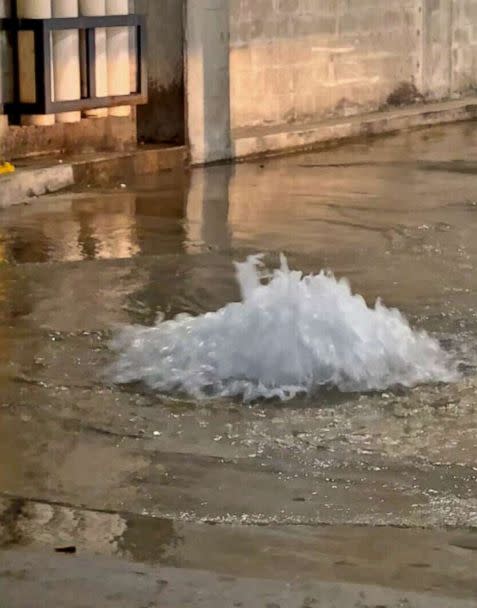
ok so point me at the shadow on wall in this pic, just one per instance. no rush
(162, 119)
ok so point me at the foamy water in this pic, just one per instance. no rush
(290, 334)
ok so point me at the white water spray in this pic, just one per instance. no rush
(289, 335)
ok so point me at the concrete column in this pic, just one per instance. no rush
(97, 8)
(119, 80)
(66, 61)
(207, 80)
(31, 9)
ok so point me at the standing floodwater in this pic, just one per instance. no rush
(131, 470)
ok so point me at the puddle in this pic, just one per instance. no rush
(74, 268)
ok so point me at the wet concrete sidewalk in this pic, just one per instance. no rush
(329, 500)
(130, 560)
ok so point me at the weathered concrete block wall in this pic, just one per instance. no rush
(449, 47)
(300, 60)
(464, 45)
(303, 61)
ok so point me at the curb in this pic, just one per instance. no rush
(26, 184)
(33, 178)
(284, 139)
(102, 169)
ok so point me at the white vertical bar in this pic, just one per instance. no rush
(133, 42)
(119, 81)
(31, 9)
(6, 78)
(97, 8)
(66, 60)
(34, 9)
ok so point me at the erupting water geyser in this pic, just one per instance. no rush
(290, 334)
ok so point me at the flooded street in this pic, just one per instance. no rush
(347, 499)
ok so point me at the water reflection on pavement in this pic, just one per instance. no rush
(140, 477)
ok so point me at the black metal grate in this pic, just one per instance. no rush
(41, 30)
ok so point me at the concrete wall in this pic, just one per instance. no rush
(449, 50)
(89, 135)
(163, 118)
(300, 60)
(304, 61)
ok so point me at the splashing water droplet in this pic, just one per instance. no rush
(287, 336)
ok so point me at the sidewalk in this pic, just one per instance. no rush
(42, 175)
(136, 561)
(278, 139)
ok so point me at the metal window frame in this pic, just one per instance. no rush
(42, 29)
